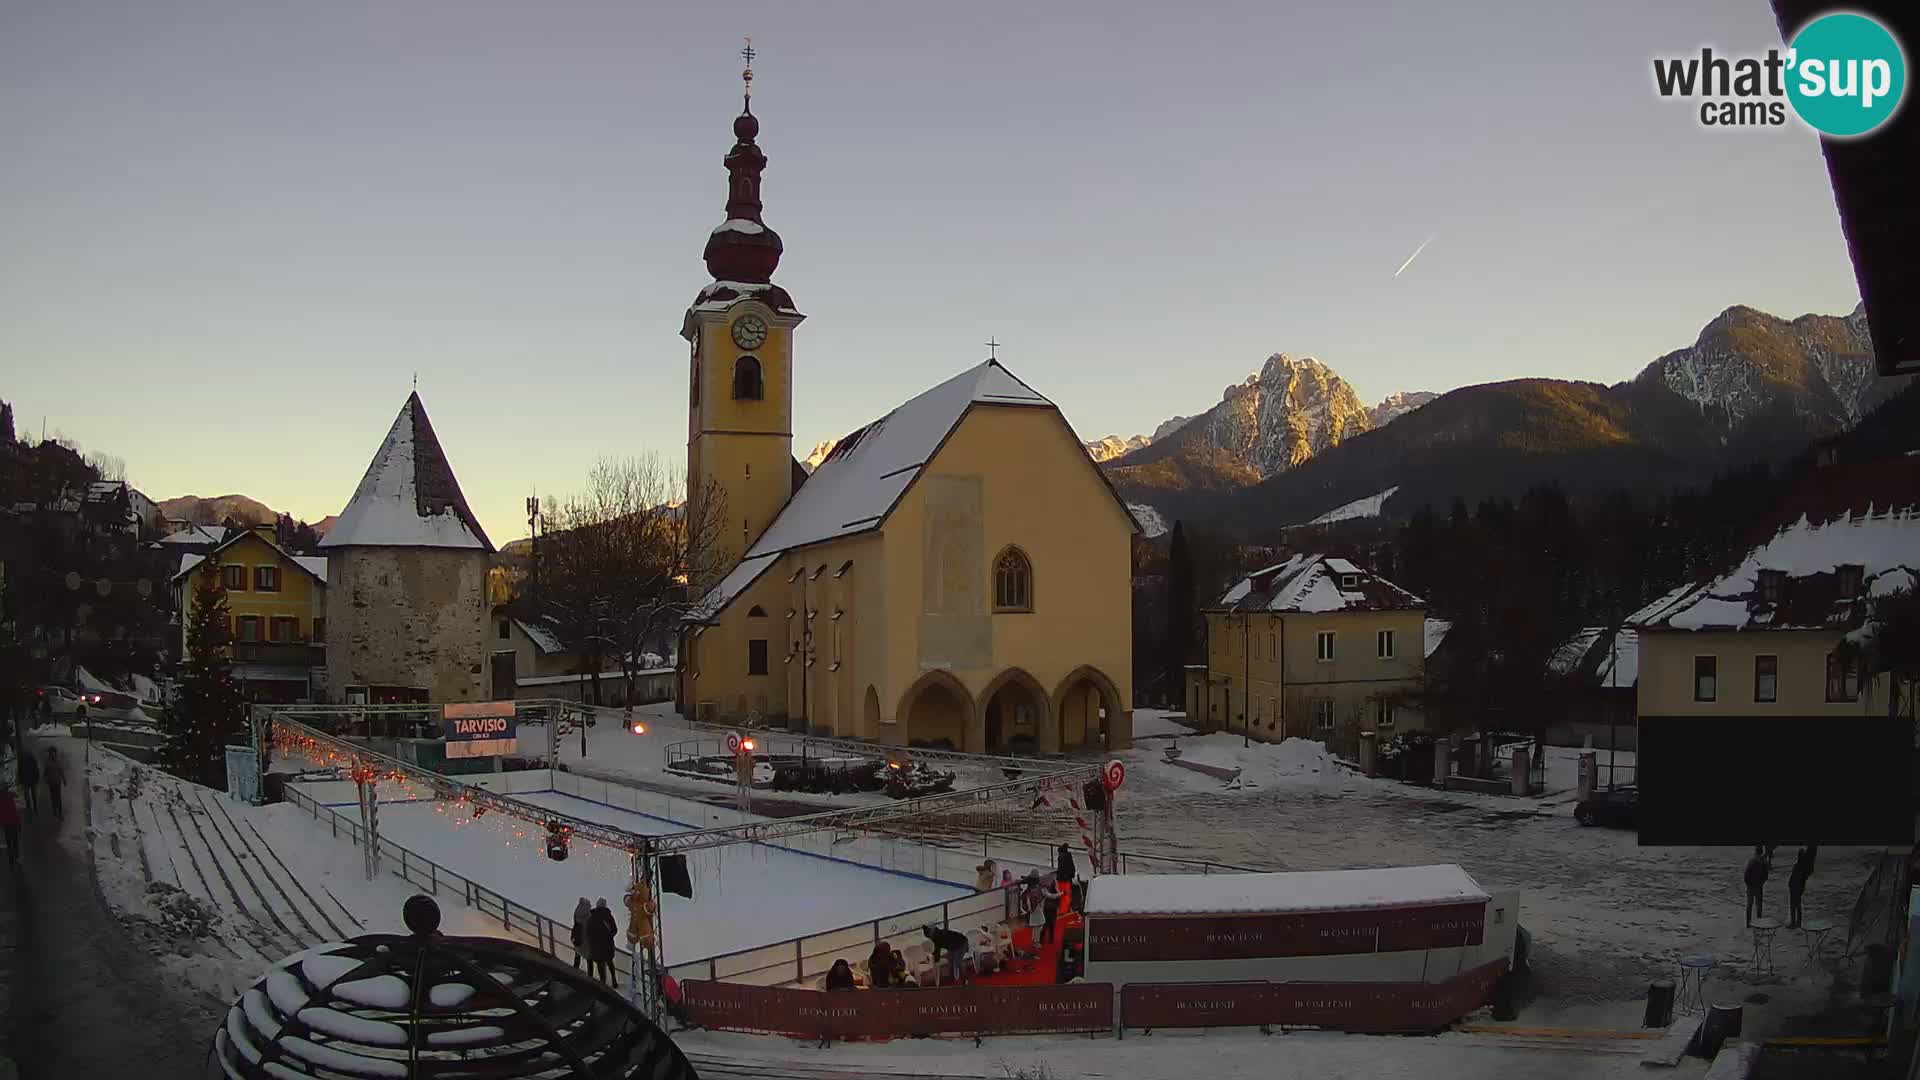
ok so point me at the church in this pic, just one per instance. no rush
(955, 574)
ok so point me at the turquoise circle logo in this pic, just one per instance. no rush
(1847, 74)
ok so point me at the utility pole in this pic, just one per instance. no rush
(1246, 679)
(533, 544)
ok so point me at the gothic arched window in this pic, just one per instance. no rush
(747, 385)
(756, 612)
(1012, 581)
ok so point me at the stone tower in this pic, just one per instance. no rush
(407, 568)
(740, 332)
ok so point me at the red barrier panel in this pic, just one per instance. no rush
(1313, 933)
(1349, 1006)
(960, 1010)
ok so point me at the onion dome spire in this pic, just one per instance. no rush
(743, 248)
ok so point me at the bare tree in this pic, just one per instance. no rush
(620, 563)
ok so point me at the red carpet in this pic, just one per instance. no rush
(1043, 970)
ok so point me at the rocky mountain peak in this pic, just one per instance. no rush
(1290, 410)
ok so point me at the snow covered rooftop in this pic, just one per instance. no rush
(542, 636)
(859, 481)
(1594, 657)
(1436, 633)
(1311, 890)
(1795, 581)
(735, 583)
(408, 497)
(1316, 583)
(194, 535)
(312, 564)
(721, 295)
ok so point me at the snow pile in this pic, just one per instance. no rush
(1371, 506)
(1291, 763)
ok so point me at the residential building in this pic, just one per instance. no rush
(1314, 647)
(277, 611)
(1770, 637)
(1594, 676)
(407, 562)
(954, 573)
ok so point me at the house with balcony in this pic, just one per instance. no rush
(276, 602)
(1315, 647)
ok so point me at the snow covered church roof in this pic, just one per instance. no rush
(1808, 576)
(1316, 583)
(408, 498)
(859, 482)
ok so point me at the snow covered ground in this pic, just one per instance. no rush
(1607, 916)
(219, 890)
(743, 895)
(1235, 1054)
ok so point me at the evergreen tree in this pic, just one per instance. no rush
(6, 424)
(208, 713)
(1183, 611)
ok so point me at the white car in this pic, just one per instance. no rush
(60, 701)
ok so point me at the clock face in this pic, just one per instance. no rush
(749, 332)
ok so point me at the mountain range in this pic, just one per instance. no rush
(1293, 443)
(213, 510)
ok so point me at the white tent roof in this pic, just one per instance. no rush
(1311, 890)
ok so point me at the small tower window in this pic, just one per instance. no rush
(1012, 581)
(747, 385)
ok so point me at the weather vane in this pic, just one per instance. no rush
(746, 75)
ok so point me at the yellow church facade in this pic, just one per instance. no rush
(956, 573)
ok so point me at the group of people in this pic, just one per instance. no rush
(594, 932)
(1760, 866)
(886, 970)
(29, 774)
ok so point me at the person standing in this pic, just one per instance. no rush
(1065, 868)
(1756, 878)
(27, 769)
(582, 913)
(1797, 884)
(1050, 912)
(983, 876)
(601, 930)
(56, 776)
(10, 824)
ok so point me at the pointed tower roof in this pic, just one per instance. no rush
(408, 498)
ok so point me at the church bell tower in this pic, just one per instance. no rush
(740, 334)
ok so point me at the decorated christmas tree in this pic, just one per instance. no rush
(208, 713)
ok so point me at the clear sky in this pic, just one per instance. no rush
(231, 232)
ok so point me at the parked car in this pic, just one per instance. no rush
(1619, 808)
(60, 701)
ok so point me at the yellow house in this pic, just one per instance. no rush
(276, 603)
(1314, 647)
(955, 573)
(1769, 637)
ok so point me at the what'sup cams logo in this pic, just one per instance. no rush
(1843, 75)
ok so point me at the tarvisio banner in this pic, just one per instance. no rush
(480, 729)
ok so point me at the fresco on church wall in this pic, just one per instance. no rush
(955, 630)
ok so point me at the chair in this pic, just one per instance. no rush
(984, 957)
(920, 963)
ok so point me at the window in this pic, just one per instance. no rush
(319, 630)
(1273, 711)
(757, 656)
(1383, 713)
(1349, 581)
(506, 630)
(1323, 646)
(1843, 678)
(1766, 678)
(747, 385)
(756, 612)
(1273, 650)
(1849, 580)
(1012, 582)
(1259, 710)
(234, 578)
(282, 629)
(1383, 644)
(246, 628)
(266, 579)
(1706, 680)
(1773, 586)
(1323, 715)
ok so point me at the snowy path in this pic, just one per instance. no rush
(744, 896)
